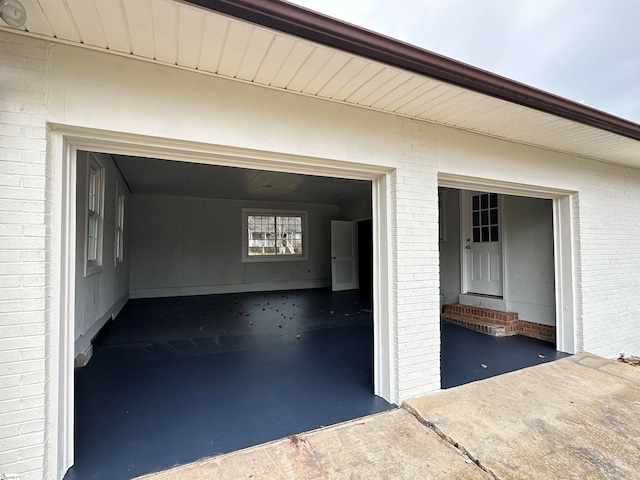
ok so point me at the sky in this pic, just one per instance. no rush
(584, 50)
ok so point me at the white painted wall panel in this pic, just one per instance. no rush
(357, 209)
(103, 294)
(472, 155)
(450, 245)
(147, 99)
(528, 233)
(189, 246)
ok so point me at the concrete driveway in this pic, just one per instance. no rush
(575, 418)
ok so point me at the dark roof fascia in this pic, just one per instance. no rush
(310, 25)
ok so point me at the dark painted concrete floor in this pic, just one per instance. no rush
(174, 380)
(464, 352)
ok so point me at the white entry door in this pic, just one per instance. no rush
(344, 273)
(484, 244)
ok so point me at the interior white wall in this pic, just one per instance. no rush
(100, 296)
(529, 266)
(450, 244)
(356, 209)
(191, 246)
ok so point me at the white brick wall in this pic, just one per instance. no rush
(609, 208)
(415, 260)
(24, 277)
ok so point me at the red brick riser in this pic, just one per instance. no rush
(498, 324)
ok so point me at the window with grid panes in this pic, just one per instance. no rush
(119, 248)
(274, 235)
(94, 215)
(485, 217)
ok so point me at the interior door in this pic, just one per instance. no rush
(344, 273)
(484, 244)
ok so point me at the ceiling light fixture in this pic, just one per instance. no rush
(13, 13)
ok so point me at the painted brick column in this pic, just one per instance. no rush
(609, 261)
(24, 278)
(415, 260)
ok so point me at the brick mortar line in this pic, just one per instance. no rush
(448, 439)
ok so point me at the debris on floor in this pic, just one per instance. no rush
(633, 361)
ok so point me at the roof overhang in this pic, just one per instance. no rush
(310, 25)
(283, 46)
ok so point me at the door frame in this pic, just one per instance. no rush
(564, 249)
(64, 141)
(354, 255)
(465, 233)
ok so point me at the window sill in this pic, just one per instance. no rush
(265, 258)
(93, 270)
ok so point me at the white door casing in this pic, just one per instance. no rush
(568, 321)
(344, 272)
(483, 244)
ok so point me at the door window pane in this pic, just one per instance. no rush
(485, 217)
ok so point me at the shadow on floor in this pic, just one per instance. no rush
(464, 352)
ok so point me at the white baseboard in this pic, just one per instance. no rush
(481, 301)
(235, 288)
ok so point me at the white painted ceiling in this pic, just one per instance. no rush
(167, 177)
(179, 34)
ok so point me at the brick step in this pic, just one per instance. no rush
(496, 323)
(481, 314)
(482, 325)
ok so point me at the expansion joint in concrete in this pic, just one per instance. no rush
(448, 439)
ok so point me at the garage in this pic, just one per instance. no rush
(230, 307)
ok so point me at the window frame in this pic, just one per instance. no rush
(93, 263)
(266, 212)
(118, 245)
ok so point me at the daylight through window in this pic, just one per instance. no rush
(94, 215)
(119, 226)
(274, 235)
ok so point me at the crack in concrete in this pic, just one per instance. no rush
(448, 439)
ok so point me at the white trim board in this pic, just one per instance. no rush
(232, 288)
(564, 224)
